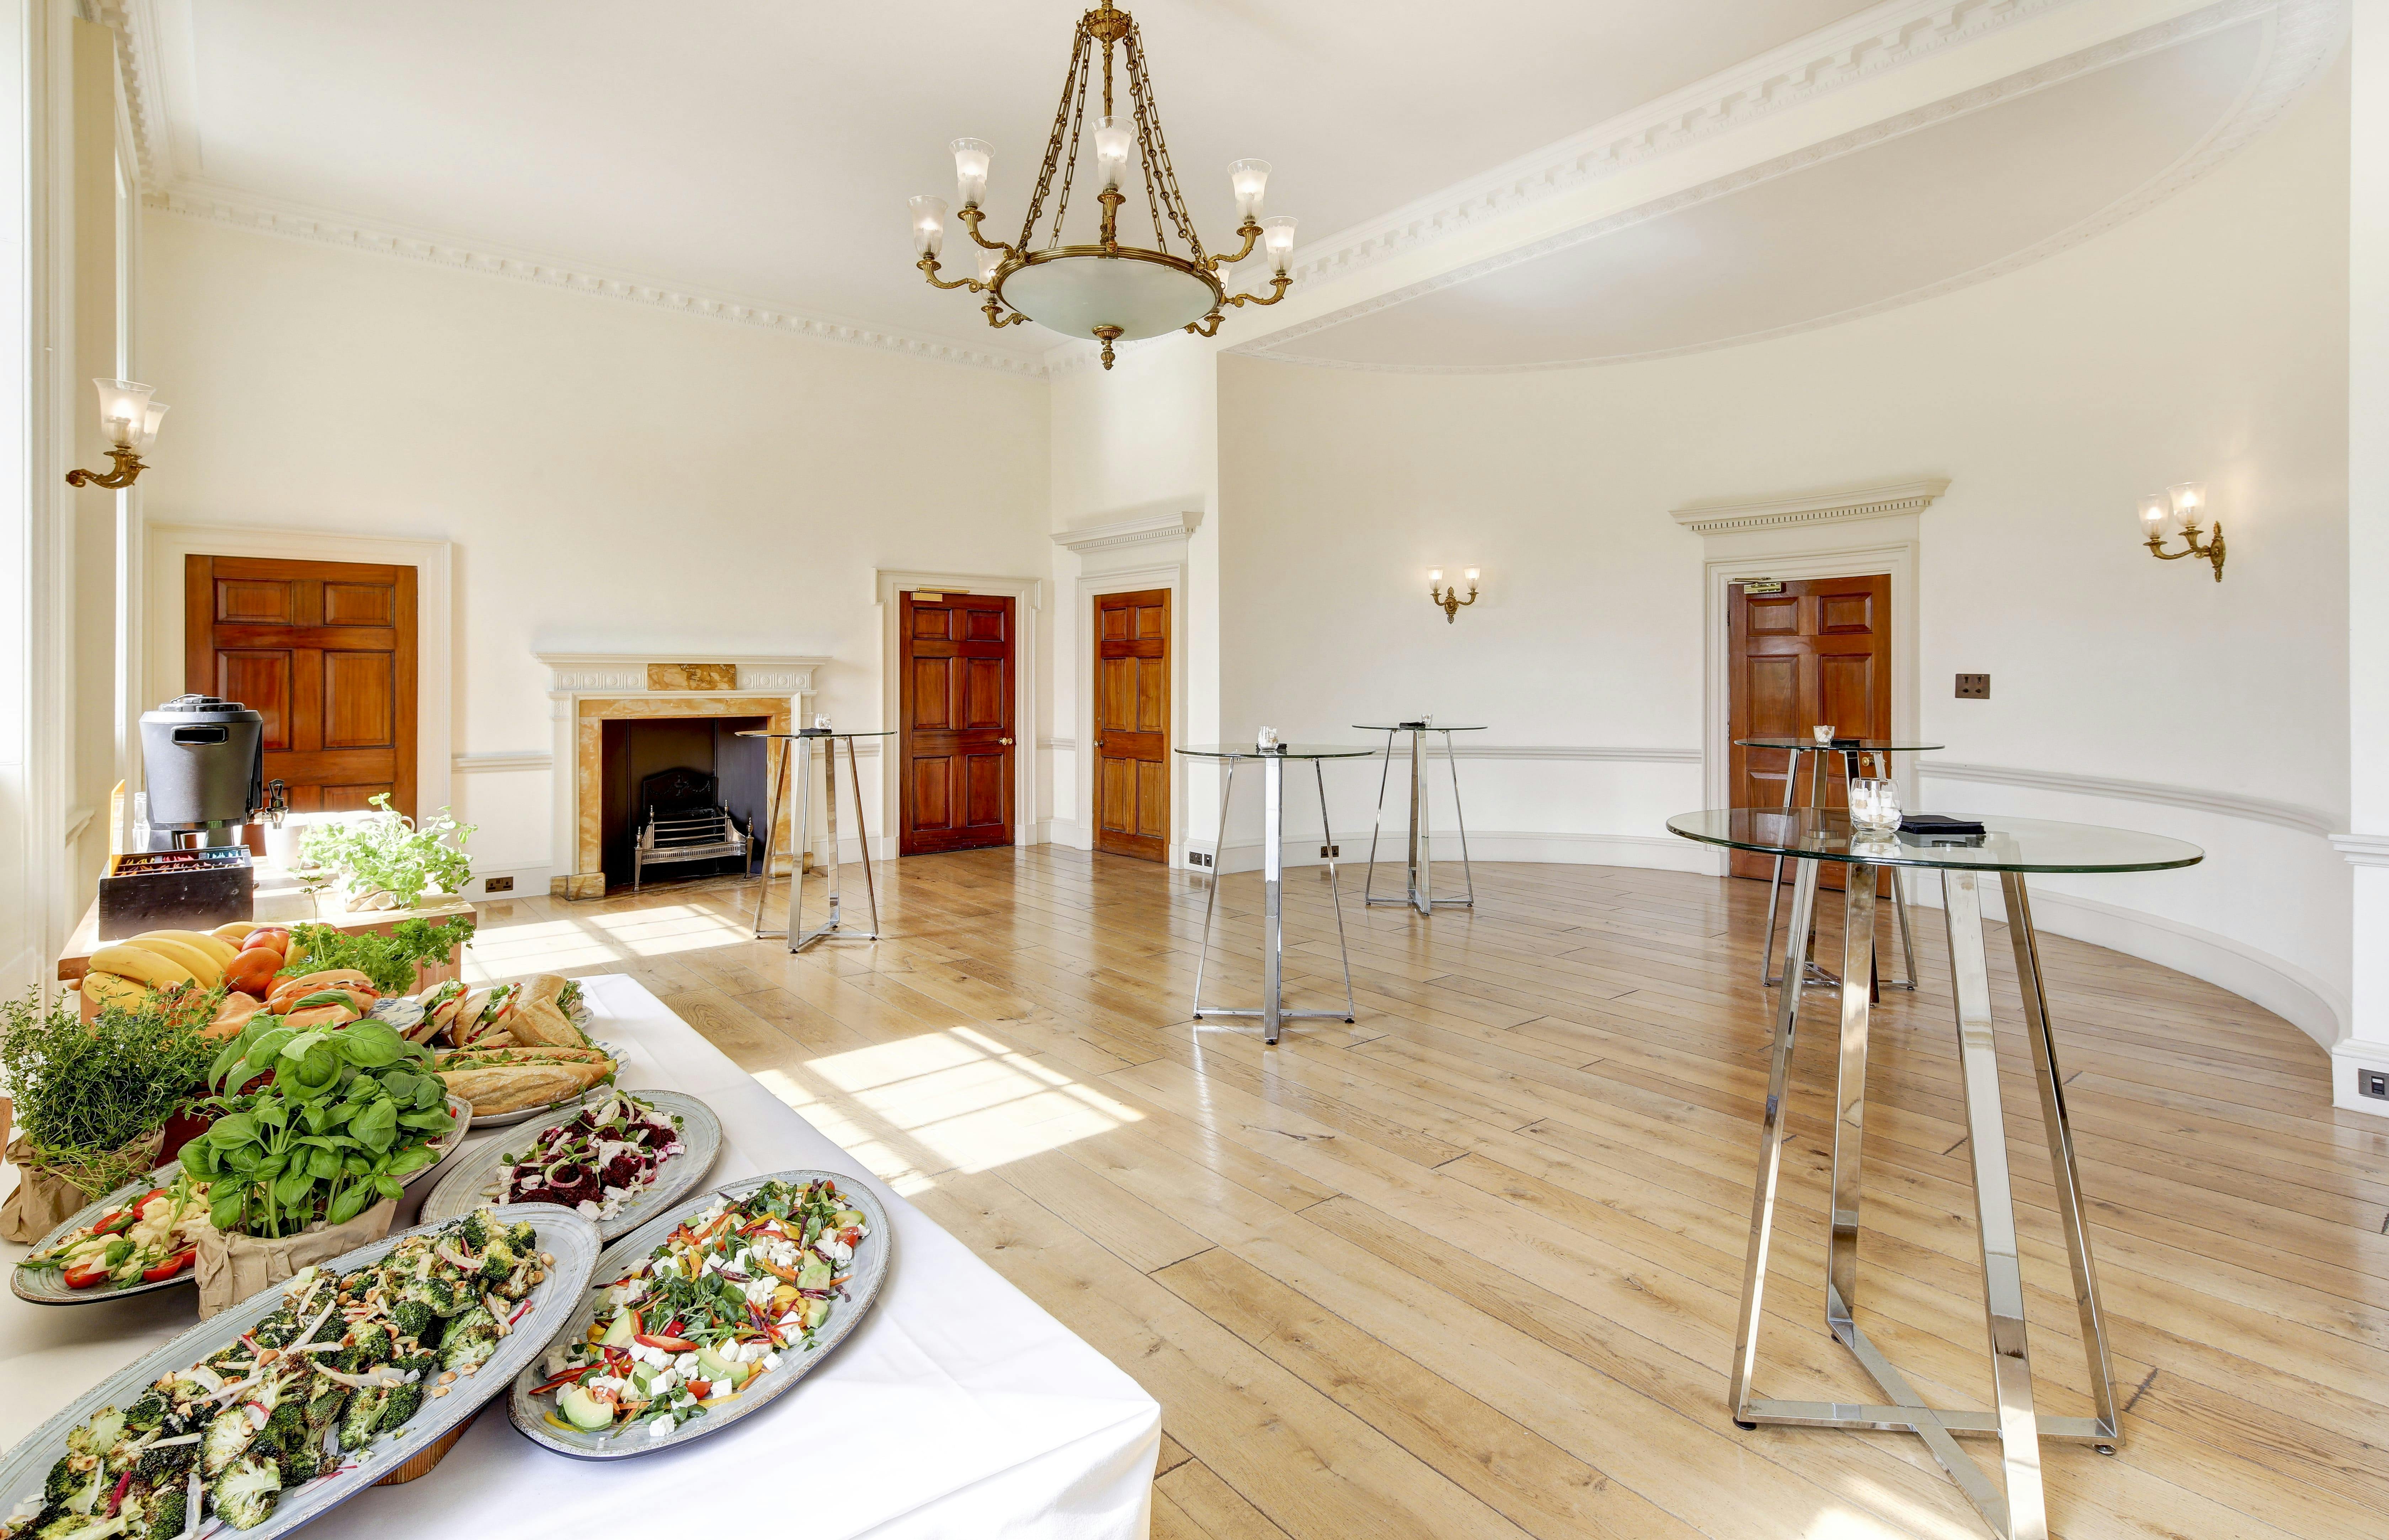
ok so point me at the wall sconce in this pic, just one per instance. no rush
(2184, 503)
(1448, 599)
(130, 419)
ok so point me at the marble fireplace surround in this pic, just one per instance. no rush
(587, 689)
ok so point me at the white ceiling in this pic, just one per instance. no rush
(1887, 220)
(764, 149)
(761, 150)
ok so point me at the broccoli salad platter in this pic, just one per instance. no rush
(617, 1158)
(297, 1398)
(706, 1313)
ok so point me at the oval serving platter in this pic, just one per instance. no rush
(524, 1114)
(529, 1413)
(571, 1239)
(47, 1286)
(700, 1137)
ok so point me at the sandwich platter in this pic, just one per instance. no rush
(468, 1182)
(521, 1114)
(46, 1285)
(639, 1378)
(560, 1234)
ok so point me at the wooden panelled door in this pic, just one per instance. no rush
(954, 702)
(1813, 651)
(325, 652)
(1132, 721)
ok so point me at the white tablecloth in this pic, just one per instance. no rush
(959, 1409)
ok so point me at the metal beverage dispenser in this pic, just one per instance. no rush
(204, 760)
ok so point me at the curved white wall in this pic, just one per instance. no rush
(2206, 340)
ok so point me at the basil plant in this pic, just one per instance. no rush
(342, 1114)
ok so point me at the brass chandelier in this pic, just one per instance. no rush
(1109, 291)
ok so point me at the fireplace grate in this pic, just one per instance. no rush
(681, 821)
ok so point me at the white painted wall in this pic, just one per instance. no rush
(616, 479)
(2206, 340)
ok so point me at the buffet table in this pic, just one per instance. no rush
(958, 1407)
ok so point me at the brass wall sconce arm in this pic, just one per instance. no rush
(128, 470)
(2212, 550)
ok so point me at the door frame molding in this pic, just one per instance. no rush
(1027, 596)
(1890, 548)
(160, 604)
(1157, 544)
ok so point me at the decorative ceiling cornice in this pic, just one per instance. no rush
(225, 206)
(1171, 527)
(136, 25)
(1878, 500)
(1883, 37)
(2307, 36)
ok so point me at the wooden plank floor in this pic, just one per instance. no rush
(1470, 1266)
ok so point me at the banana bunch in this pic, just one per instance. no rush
(124, 972)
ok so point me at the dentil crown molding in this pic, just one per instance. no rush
(1881, 499)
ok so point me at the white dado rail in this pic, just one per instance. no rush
(587, 689)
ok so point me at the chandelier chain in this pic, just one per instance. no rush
(1160, 177)
(1074, 84)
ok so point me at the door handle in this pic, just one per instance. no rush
(1006, 742)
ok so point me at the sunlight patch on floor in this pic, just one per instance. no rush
(1843, 1523)
(675, 927)
(951, 1100)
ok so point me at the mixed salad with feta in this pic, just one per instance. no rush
(596, 1162)
(150, 1239)
(344, 1359)
(735, 1285)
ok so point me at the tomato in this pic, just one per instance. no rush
(170, 1266)
(88, 1274)
(252, 971)
(666, 1344)
(271, 937)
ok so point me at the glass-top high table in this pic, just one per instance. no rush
(1273, 761)
(1852, 750)
(798, 746)
(1420, 894)
(2013, 848)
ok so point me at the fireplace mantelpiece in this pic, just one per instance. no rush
(586, 688)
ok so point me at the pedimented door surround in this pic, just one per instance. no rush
(1846, 532)
(587, 689)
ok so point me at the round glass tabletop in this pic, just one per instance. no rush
(817, 732)
(2006, 844)
(1283, 750)
(1419, 726)
(1863, 746)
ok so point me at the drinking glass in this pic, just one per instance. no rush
(1874, 804)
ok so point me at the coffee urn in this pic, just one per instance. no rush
(204, 761)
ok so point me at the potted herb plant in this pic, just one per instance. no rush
(388, 861)
(93, 1099)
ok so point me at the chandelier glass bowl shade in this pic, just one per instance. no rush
(1110, 290)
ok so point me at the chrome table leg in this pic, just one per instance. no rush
(2059, 1128)
(1460, 816)
(1219, 844)
(1773, 1131)
(1334, 889)
(1384, 774)
(1775, 886)
(801, 832)
(770, 837)
(863, 836)
(1272, 894)
(1421, 844)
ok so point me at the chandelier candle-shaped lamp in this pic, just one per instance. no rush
(2184, 504)
(1110, 290)
(130, 419)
